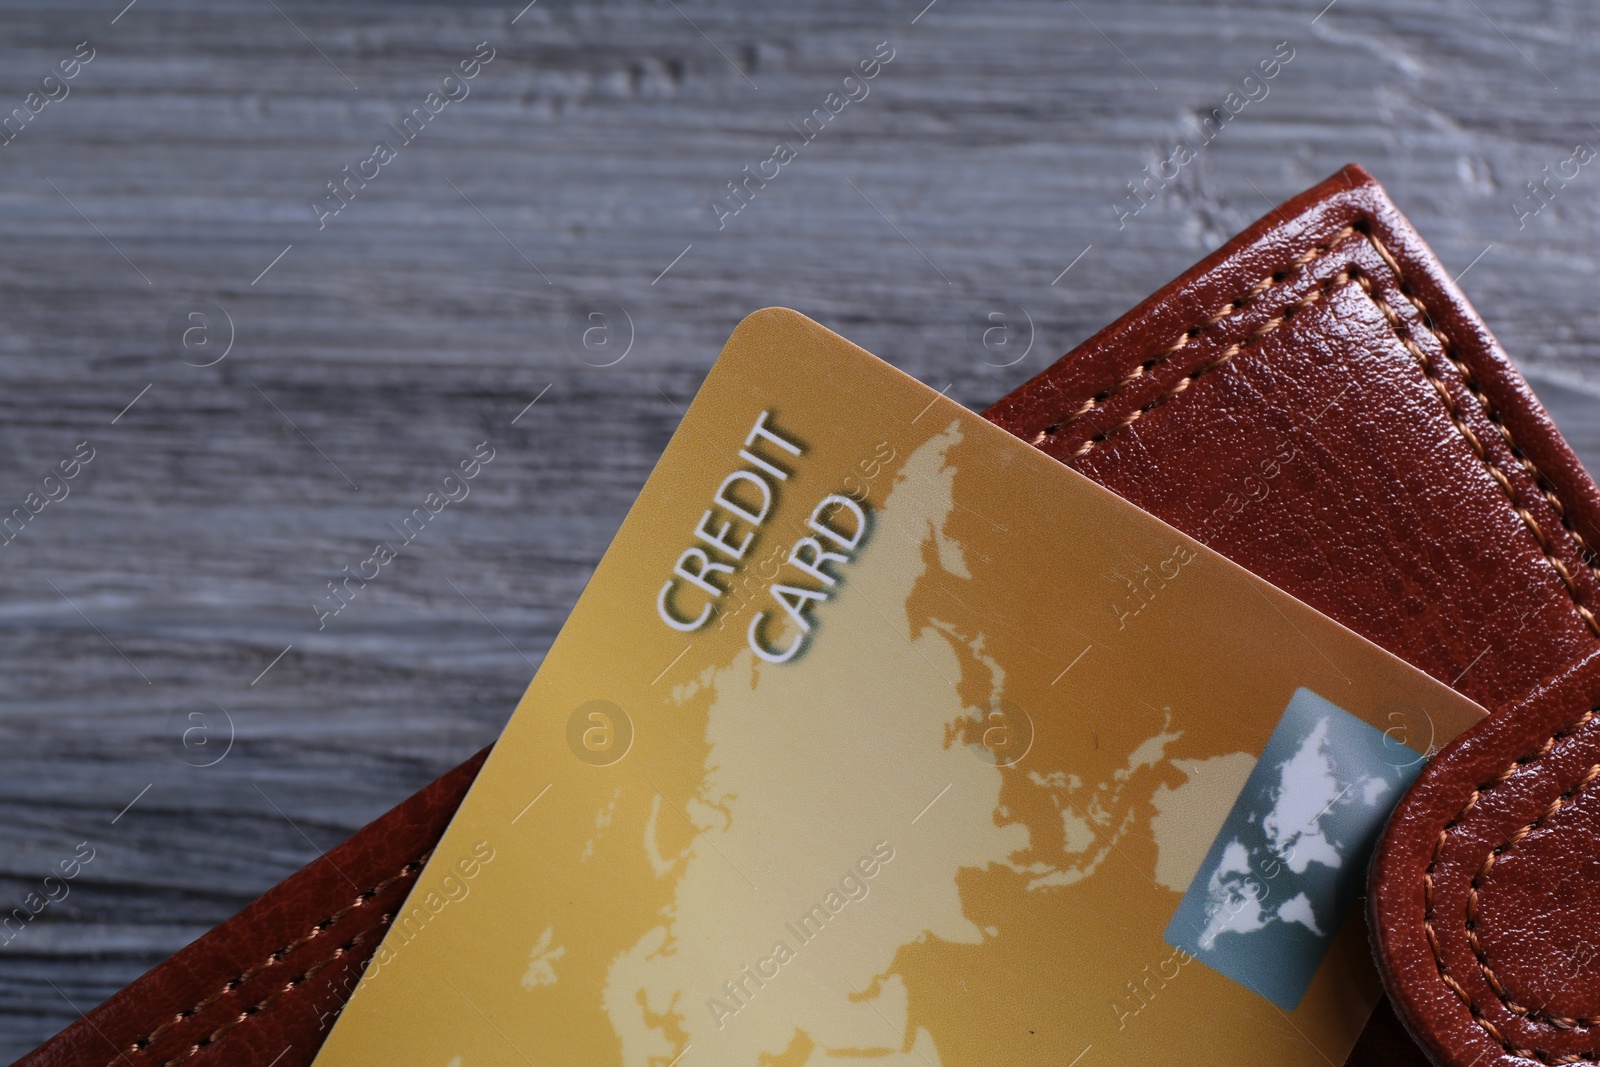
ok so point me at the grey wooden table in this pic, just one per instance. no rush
(158, 617)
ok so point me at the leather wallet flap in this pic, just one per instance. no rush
(1318, 401)
(1485, 897)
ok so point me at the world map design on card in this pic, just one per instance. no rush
(879, 735)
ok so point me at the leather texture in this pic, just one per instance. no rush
(1318, 401)
(1315, 400)
(1485, 898)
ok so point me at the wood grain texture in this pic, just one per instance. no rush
(435, 306)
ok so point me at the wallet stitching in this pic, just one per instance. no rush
(288, 987)
(273, 958)
(1452, 408)
(1228, 310)
(1545, 486)
(1540, 481)
(1559, 1022)
(1403, 335)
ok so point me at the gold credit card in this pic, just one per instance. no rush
(879, 735)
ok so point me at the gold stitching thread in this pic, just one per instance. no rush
(1403, 335)
(274, 957)
(1453, 409)
(1227, 310)
(1541, 482)
(1227, 355)
(287, 988)
(1558, 1022)
(1490, 412)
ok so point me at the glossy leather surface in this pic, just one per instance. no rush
(1426, 501)
(1486, 891)
(1318, 402)
(1315, 400)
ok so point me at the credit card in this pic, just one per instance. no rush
(880, 735)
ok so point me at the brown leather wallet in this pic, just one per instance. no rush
(1429, 504)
